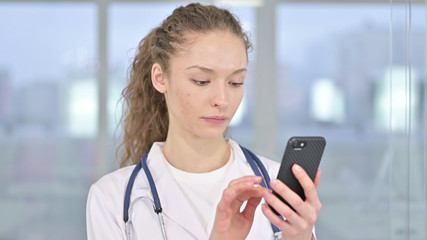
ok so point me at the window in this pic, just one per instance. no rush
(334, 63)
(48, 118)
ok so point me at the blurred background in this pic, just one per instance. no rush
(353, 71)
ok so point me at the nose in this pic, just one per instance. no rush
(220, 97)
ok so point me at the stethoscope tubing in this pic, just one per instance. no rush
(129, 189)
(157, 204)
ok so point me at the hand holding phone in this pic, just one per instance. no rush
(307, 153)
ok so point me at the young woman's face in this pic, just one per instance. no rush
(205, 84)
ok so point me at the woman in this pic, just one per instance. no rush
(186, 83)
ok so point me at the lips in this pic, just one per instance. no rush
(215, 119)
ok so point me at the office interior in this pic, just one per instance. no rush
(352, 71)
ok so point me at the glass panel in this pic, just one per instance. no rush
(408, 122)
(334, 63)
(48, 118)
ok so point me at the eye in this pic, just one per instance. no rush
(200, 83)
(236, 84)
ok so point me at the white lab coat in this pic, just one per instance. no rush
(104, 213)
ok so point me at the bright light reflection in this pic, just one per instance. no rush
(238, 116)
(399, 102)
(327, 102)
(114, 105)
(83, 111)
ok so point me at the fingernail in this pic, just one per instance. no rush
(297, 168)
(273, 183)
(267, 194)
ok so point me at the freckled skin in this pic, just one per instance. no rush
(188, 103)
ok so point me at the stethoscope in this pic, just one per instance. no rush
(253, 160)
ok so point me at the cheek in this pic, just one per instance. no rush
(184, 103)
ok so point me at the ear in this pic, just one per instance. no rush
(158, 78)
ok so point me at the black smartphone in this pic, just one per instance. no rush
(306, 152)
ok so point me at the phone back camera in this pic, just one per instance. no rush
(298, 145)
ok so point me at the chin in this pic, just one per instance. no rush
(211, 133)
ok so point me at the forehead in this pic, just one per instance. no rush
(217, 50)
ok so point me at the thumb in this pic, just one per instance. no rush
(317, 178)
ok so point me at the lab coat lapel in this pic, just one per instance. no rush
(174, 203)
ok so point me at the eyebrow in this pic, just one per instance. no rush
(208, 70)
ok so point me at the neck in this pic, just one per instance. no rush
(193, 154)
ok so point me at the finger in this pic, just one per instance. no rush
(317, 178)
(289, 195)
(250, 208)
(224, 204)
(288, 229)
(306, 182)
(238, 191)
(239, 185)
(310, 191)
(300, 221)
(280, 207)
(252, 179)
(245, 195)
(242, 184)
(283, 225)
